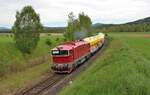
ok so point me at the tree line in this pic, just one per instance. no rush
(137, 27)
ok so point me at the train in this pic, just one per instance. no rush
(70, 55)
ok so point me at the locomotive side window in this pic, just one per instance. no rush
(60, 52)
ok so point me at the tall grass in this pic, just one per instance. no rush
(11, 59)
(123, 69)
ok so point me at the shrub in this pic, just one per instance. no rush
(48, 42)
(57, 39)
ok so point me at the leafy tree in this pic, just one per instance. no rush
(70, 28)
(85, 23)
(78, 28)
(26, 29)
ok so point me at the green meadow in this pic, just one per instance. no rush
(12, 60)
(122, 69)
(18, 71)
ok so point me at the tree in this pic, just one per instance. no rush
(78, 28)
(26, 29)
(85, 23)
(70, 28)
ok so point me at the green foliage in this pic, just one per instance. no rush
(85, 23)
(54, 30)
(78, 28)
(57, 39)
(48, 42)
(143, 27)
(26, 29)
(69, 34)
(122, 69)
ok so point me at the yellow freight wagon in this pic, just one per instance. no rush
(102, 37)
(95, 41)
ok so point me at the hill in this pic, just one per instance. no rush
(140, 21)
(46, 29)
(54, 29)
(141, 25)
(144, 21)
(4, 29)
(101, 25)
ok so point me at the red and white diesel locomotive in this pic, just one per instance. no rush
(68, 56)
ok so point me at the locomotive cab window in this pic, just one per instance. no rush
(60, 52)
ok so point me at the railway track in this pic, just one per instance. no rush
(43, 85)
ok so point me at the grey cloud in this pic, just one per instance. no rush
(51, 11)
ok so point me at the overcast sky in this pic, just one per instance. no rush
(54, 12)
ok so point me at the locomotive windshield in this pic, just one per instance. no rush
(60, 52)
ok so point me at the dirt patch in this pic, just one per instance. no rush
(147, 36)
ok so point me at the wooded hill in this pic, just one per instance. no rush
(4, 30)
(142, 25)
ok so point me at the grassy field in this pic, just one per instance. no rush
(16, 81)
(16, 71)
(11, 59)
(123, 68)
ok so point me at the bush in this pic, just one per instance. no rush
(57, 39)
(48, 42)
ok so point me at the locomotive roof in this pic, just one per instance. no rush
(70, 45)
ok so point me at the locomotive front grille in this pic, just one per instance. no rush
(60, 67)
